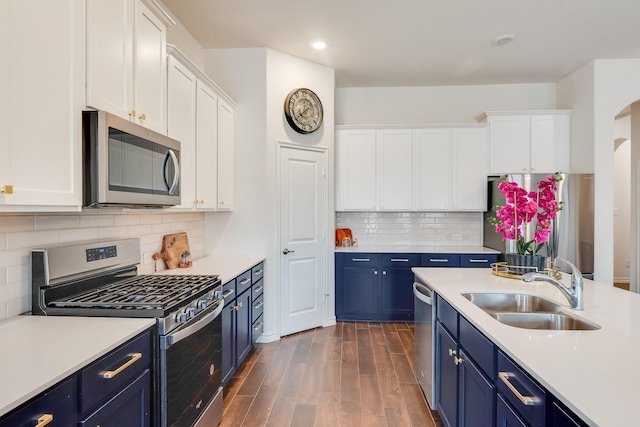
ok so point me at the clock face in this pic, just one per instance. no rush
(303, 110)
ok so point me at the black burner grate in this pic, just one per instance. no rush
(140, 292)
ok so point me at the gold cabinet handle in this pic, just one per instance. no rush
(6, 189)
(258, 305)
(526, 400)
(229, 292)
(457, 360)
(258, 326)
(132, 113)
(142, 117)
(44, 420)
(134, 357)
(259, 288)
(245, 281)
(221, 202)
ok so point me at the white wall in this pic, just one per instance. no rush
(437, 104)
(259, 81)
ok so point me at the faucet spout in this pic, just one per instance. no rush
(574, 293)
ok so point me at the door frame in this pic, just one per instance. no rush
(327, 321)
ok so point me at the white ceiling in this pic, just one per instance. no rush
(424, 42)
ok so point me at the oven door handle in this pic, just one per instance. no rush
(192, 329)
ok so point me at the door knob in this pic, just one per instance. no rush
(286, 251)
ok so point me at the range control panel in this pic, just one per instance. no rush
(95, 254)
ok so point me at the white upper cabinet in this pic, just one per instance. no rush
(126, 61)
(395, 169)
(529, 141)
(355, 169)
(451, 168)
(202, 117)
(42, 86)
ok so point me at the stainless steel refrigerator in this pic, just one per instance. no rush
(572, 234)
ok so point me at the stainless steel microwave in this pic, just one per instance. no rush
(127, 165)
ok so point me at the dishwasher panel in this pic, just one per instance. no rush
(424, 340)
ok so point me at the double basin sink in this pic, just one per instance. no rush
(528, 311)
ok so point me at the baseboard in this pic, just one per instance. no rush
(331, 322)
(266, 338)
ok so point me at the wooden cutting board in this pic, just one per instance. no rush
(173, 246)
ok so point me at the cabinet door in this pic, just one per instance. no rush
(396, 294)
(42, 95)
(433, 169)
(225, 155)
(181, 124)
(110, 56)
(506, 416)
(243, 332)
(446, 377)
(509, 138)
(150, 69)
(476, 395)
(130, 407)
(550, 143)
(469, 169)
(229, 328)
(395, 169)
(562, 417)
(360, 293)
(356, 170)
(206, 147)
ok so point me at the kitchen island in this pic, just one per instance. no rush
(592, 372)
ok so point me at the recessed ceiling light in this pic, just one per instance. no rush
(503, 39)
(319, 45)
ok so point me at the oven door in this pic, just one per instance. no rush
(190, 369)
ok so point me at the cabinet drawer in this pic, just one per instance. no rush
(59, 403)
(257, 290)
(257, 307)
(478, 261)
(257, 329)
(114, 371)
(257, 272)
(229, 291)
(400, 260)
(479, 347)
(447, 316)
(524, 395)
(361, 260)
(440, 260)
(243, 282)
(130, 407)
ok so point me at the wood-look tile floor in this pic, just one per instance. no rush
(351, 374)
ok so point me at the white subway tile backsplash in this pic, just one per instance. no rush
(413, 228)
(19, 233)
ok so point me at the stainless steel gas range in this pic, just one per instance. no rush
(100, 279)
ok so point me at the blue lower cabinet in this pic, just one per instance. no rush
(243, 330)
(506, 416)
(229, 328)
(359, 293)
(396, 294)
(446, 377)
(477, 261)
(130, 407)
(476, 394)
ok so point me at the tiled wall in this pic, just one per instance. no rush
(413, 228)
(20, 233)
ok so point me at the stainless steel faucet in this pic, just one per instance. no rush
(574, 293)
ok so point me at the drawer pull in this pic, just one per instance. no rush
(360, 259)
(258, 272)
(259, 288)
(399, 260)
(438, 260)
(258, 305)
(258, 326)
(526, 400)
(229, 292)
(479, 260)
(44, 420)
(134, 357)
(245, 281)
(238, 306)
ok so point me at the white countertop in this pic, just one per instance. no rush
(39, 351)
(595, 373)
(419, 249)
(227, 267)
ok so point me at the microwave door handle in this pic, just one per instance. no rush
(176, 168)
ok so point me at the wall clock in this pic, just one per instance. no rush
(303, 110)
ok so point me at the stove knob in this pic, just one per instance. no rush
(191, 312)
(202, 304)
(181, 316)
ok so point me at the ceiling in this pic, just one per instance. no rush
(424, 42)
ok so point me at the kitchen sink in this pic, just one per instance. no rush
(551, 321)
(508, 302)
(527, 311)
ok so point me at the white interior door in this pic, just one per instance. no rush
(303, 275)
